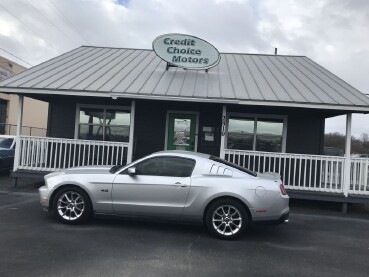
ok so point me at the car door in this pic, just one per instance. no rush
(159, 187)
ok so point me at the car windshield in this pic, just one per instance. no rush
(118, 167)
(219, 160)
(6, 142)
(115, 168)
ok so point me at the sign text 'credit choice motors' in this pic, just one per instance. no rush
(186, 51)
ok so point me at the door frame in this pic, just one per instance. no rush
(197, 114)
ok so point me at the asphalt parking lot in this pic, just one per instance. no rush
(32, 243)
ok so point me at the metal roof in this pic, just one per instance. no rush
(270, 80)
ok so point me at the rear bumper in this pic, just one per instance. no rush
(284, 219)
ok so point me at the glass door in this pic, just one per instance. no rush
(181, 131)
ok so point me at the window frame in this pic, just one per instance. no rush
(256, 118)
(125, 171)
(99, 107)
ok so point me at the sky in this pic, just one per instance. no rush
(334, 33)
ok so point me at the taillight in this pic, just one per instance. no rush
(283, 190)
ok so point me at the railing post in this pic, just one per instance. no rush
(19, 130)
(131, 132)
(346, 184)
(223, 132)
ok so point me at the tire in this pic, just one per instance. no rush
(72, 206)
(226, 219)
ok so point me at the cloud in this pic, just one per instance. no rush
(332, 33)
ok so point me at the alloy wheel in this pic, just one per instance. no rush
(70, 205)
(227, 220)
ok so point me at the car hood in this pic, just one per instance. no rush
(5, 152)
(88, 170)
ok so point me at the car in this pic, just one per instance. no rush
(360, 156)
(180, 185)
(7, 150)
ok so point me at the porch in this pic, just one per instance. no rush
(330, 175)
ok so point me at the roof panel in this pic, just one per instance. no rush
(279, 80)
(259, 79)
(300, 88)
(94, 73)
(226, 89)
(189, 83)
(164, 83)
(154, 78)
(135, 73)
(141, 79)
(69, 77)
(177, 82)
(54, 74)
(272, 81)
(201, 84)
(26, 75)
(120, 78)
(238, 84)
(110, 71)
(337, 83)
(123, 69)
(282, 79)
(251, 87)
(213, 83)
(320, 82)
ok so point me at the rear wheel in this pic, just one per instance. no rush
(226, 218)
(72, 206)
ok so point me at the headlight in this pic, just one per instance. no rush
(54, 174)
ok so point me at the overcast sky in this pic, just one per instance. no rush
(334, 33)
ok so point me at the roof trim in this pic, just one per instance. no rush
(359, 109)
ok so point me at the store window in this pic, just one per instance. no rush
(255, 133)
(103, 124)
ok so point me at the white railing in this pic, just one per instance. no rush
(306, 172)
(359, 176)
(51, 154)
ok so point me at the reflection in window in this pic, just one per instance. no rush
(255, 134)
(240, 133)
(103, 124)
(269, 136)
(182, 128)
(166, 166)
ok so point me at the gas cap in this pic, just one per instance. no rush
(260, 191)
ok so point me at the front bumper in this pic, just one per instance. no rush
(45, 194)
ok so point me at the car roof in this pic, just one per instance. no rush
(187, 154)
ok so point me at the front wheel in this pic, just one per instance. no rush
(72, 206)
(226, 219)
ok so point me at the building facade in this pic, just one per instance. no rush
(265, 112)
(35, 112)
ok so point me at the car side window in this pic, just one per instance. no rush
(166, 166)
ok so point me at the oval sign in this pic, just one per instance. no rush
(186, 51)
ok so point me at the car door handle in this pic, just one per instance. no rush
(179, 184)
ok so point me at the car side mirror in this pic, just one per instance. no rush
(131, 171)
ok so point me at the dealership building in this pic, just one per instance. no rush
(263, 112)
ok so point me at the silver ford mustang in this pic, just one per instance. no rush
(170, 184)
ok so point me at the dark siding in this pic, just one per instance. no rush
(305, 134)
(150, 122)
(62, 112)
(305, 127)
(61, 120)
